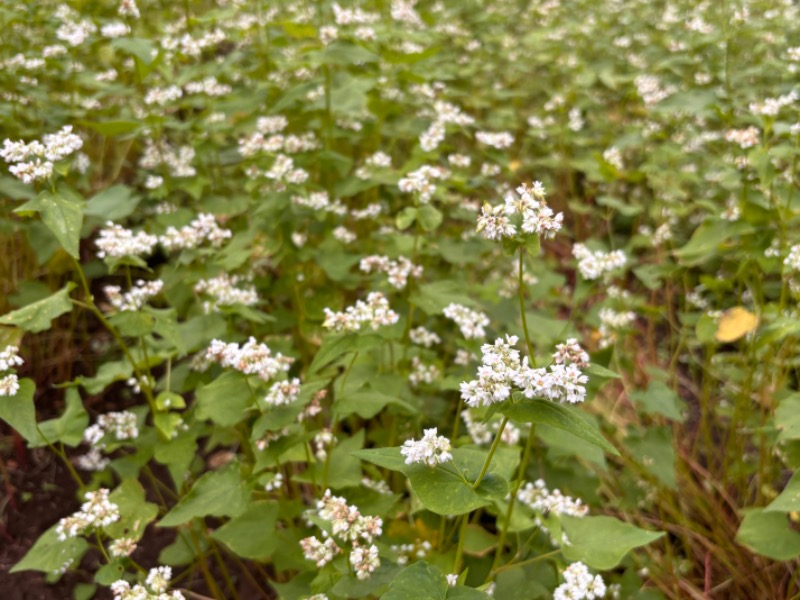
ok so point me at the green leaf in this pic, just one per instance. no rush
(656, 453)
(405, 218)
(429, 217)
(251, 534)
(602, 542)
(434, 297)
(109, 573)
(135, 512)
(62, 212)
(334, 346)
(768, 534)
(38, 316)
(787, 418)
(108, 373)
(19, 411)
(559, 416)
(49, 554)
(708, 240)
(113, 203)
(660, 399)
(217, 493)
(112, 128)
(143, 49)
(69, 427)
(422, 581)
(133, 323)
(225, 400)
(367, 404)
(447, 488)
(789, 499)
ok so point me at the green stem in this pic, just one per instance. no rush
(526, 456)
(495, 443)
(522, 307)
(462, 533)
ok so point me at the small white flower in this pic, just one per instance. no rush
(431, 450)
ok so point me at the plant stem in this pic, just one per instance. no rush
(462, 533)
(495, 443)
(522, 308)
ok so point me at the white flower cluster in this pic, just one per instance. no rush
(353, 16)
(322, 442)
(502, 370)
(446, 112)
(122, 424)
(96, 512)
(371, 211)
(122, 547)
(593, 265)
(501, 140)
(320, 201)
(422, 180)
(471, 322)
(529, 203)
(128, 8)
(349, 526)
(419, 549)
(483, 433)
(116, 242)
(203, 229)
(772, 106)
(136, 298)
(9, 359)
(163, 96)
(398, 270)
(651, 90)
(613, 156)
(114, 30)
(27, 157)
(422, 373)
(792, 260)
(154, 588)
(580, 584)
(745, 138)
(208, 86)
(74, 32)
(536, 496)
(423, 337)
(571, 352)
(375, 312)
(224, 292)
(283, 392)
(378, 160)
(178, 161)
(431, 450)
(251, 358)
(611, 320)
(379, 486)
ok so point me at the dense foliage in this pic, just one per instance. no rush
(403, 299)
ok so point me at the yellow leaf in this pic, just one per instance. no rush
(514, 165)
(734, 324)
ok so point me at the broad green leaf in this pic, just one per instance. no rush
(787, 418)
(62, 212)
(768, 534)
(49, 554)
(69, 427)
(334, 346)
(38, 316)
(656, 453)
(789, 499)
(659, 399)
(143, 49)
(251, 534)
(447, 488)
(602, 542)
(113, 203)
(422, 581)
(559, 416)
(108, 373)
(429, 217)
(225, 400)
(405, 218)
(133, 323)
(136, 513)
(367, 404)
(109, 573)
(19, 411)
(707, 241)
(217, 493)
(434, 297)
(112, 128)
